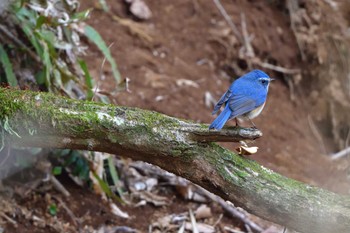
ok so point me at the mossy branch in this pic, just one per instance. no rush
(179, 146)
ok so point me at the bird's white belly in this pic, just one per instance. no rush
(252, 114)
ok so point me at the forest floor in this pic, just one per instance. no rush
(173, 60)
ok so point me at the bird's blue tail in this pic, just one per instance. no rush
(220, 121)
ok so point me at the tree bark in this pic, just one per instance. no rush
(44, 120)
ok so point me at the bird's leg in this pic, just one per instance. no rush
(254, 126)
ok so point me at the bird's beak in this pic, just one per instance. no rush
(272, 79)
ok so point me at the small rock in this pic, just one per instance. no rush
(139, 9)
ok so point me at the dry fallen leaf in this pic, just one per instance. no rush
(244, 150)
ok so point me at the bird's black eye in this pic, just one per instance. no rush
(263, 81)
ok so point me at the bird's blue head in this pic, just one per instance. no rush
(258, 77)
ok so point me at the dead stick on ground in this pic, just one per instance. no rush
(58, 186)
(233, 211)
(246, 38)
(10, 220)
(228, 20)
(15, 39)
(276, 68)
(292, 5)
(70, 213)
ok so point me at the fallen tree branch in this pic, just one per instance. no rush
(44, 120)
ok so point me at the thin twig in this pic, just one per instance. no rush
(347, 139)
(316, 133)
(228, 229)
(276, 68)
(249, 229)
(248, 46)
(75, 220)
(98, 80)
(341, 153)
(13, 38)
(219, 220)
(6, 158)
(182, 228)
(13, 222)
(234, 212)
(193, 222)
(58, 186)
(291, 87)
(228, 20)
(291, 8)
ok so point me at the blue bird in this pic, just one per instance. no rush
(245, 99)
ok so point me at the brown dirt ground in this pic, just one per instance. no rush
(182, 33)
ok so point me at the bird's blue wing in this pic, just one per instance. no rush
(241, 104)
(222, 100)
